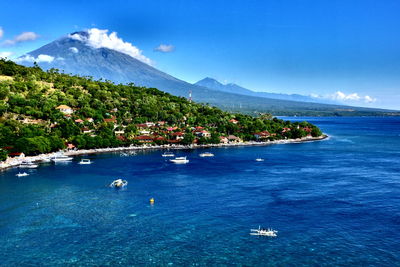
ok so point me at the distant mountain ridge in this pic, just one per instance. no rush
(236, 89)
(74, 56)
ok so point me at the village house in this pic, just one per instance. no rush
(144, 132)
(119, 132)
(86, 130)
(89, 119)
(65, 109)
(234, 139)
(284, 130)
(202, 133)
(223, 140)
(262, 135)
(144, 139)
(113, 119)
(159, 138)
(178, 135)
(233, 121)
(78, 121)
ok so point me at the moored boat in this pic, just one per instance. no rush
(206, 154)
(60, 158)
(28, 165)
(259, 159)
(85, 162)
(179, 160)
(21, 174)
(168, 154)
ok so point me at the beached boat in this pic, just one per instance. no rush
(259, 159)
(21, 174)
(28, 165)
(85, 162)
(264, 232)
(179, 160)
(119, 183)
(206, 154)
(168, 154)
(61, 158)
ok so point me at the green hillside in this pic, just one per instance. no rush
(45, 111)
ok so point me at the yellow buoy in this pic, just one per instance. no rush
(152, 201)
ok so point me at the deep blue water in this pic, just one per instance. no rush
(334, 202)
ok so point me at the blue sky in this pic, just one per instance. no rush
(306, 47)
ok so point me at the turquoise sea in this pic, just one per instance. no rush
(334, 202)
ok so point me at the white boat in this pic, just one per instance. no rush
(179, 160)
(264, 232)
(85, 162)
(60, 158)
(119, 183)
(259, 159)
(28, 165)
(168, 154)
(206, 154)
(21, 174)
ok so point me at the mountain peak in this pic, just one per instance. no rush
(209, 80)
(76, 35)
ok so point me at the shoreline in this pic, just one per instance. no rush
(16, 161)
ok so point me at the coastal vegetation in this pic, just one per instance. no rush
(45, 111)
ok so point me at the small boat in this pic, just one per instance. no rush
(61, 158)
(179, 160)
(259, 159)
(28, 165)
(85, 162)
(119, 183)
(168, 154)
(21, 174)
(206, 154)
(264, 232)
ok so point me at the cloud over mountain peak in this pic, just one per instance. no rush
(98, 38)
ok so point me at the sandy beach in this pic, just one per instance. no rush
(16, 161)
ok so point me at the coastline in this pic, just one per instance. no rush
(16, 161)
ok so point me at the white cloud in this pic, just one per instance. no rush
(343, 97)
(5, 54)
(164, 48)
(98, 38)
(23, 37)
(39, 59)
(368, 99)
(1, 32)
(74, 50)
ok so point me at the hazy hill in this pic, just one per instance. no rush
(236, 89)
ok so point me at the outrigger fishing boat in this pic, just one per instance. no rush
(264, 232)
(21, 174)
(119, 183)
